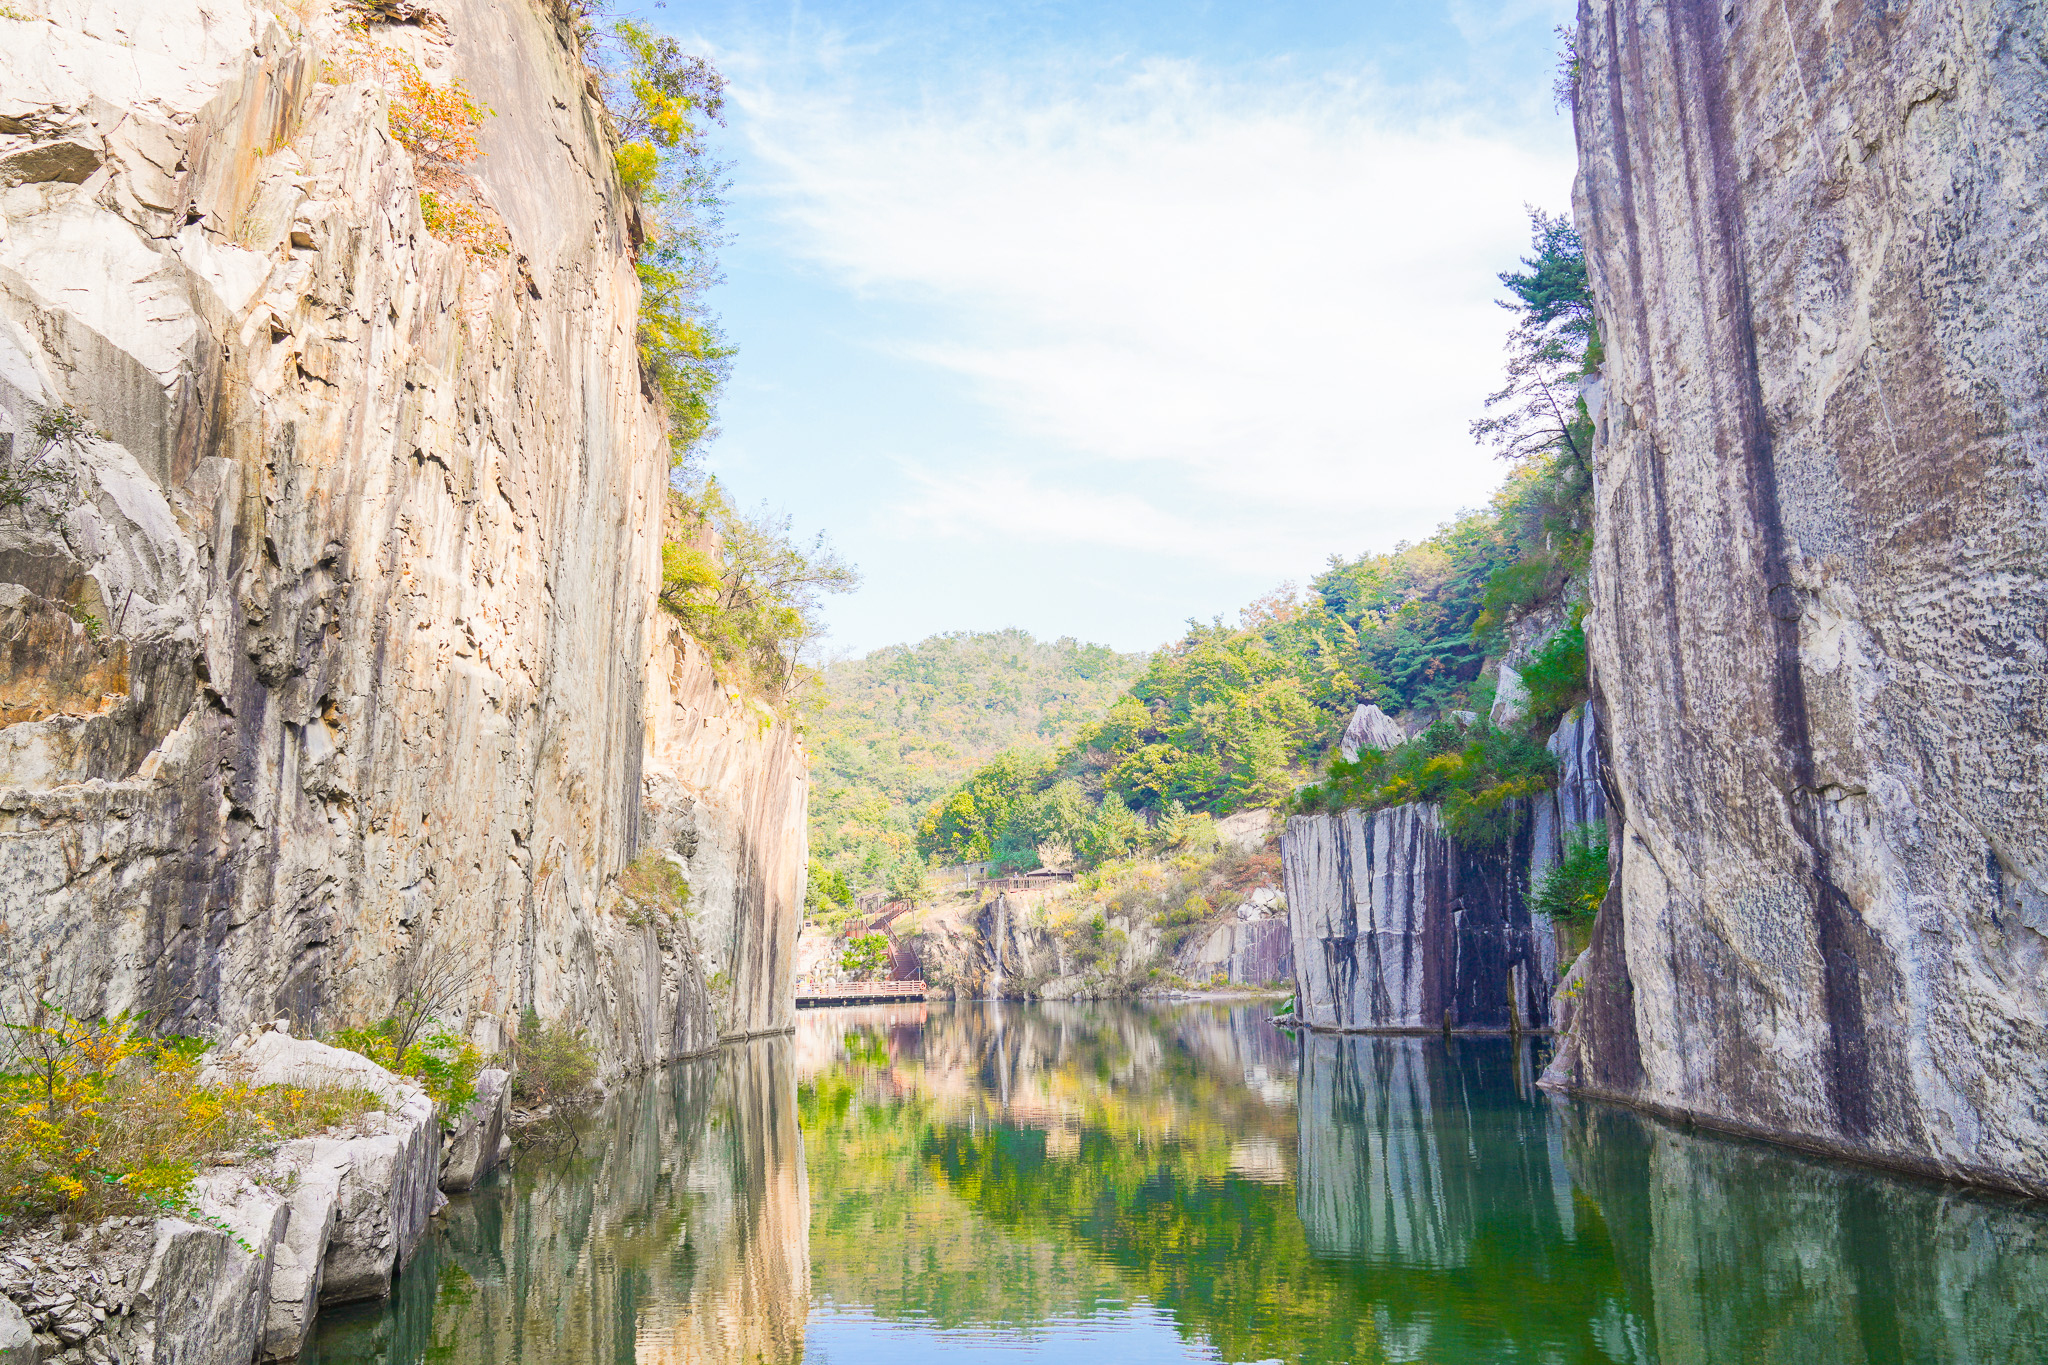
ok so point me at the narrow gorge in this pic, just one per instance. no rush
(1814, 612)
(1613, 926)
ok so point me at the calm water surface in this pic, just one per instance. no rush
(1184, 1183)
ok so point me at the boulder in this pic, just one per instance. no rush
(269, 1055)
(1371, 728)
(471, 1150)
(1510, 697)
(385, 1199)
(203, 1297)
(17, 1341)
(318, 1167)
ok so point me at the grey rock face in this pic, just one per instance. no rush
(318, 1169)
(369, 531)
(1371, 728)
(383, 1202)
(1396, 927)
(1820, 572)
(1247, 954)
(204, 1297)
(471, 1149)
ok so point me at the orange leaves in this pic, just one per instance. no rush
(440, 122)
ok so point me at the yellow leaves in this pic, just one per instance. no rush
(638, 162)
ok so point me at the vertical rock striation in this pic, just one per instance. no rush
(334, 649)
(1819, 574)
(1398, 927)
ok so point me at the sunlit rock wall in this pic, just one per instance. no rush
(1820, 572)
(368, 537)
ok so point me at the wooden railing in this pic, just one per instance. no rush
(858, 993)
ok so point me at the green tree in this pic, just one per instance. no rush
(747, 589)
(663, 100)
(867, 956)
(1553, 346)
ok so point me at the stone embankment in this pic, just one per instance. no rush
(330, 655)
(271, 1237)
(1819, 576)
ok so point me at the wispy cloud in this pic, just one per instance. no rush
(1275, 297)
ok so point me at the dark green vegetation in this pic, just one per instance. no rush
(1237, 716)
(1573, 887)
(1474, 772)
(903, 724)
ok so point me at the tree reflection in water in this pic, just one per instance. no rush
(1082, 1181)
(1005, 1174)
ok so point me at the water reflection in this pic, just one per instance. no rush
(677, 1233)
(1186, 1183)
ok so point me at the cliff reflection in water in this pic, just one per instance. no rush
(1088, 1181)
(1081, 1181)
(677, 1233)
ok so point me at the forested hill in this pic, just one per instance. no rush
(905, 723)
(1245, 715)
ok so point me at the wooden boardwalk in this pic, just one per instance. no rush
(858, 993)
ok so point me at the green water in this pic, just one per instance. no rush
(1093, 1182)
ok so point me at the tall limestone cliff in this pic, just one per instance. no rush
(1821, 573)
(331, 649)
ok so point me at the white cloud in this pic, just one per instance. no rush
(1271, 304)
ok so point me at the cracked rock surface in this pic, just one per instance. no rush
(332, 646)
(1820, 574)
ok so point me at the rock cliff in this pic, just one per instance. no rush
(1398, 927)
(331, 642)
(1819, 574)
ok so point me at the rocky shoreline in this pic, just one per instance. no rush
(269, 1238)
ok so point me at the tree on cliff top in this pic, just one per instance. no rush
(749, 591)
(1553, 347)
(663, 101)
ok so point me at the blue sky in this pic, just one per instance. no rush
(1094, 317)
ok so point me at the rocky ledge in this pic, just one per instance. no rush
(268, 1237)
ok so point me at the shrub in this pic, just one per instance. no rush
(747, 590)
(1193, 910)
(663, 100)
(1556, 676)
(826, 891)
(464, 223)
(866, 956)
(97, 1119)
(551, 1064)
(1573, 887)
(656, 887)
(27, 470)
(440, 126)
(1475, 776)
(444, 1063)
